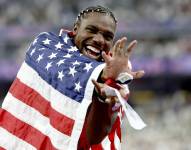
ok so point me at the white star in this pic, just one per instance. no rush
(68, 55)
(48, 65)
(32, 52)
(35, 41)
(53, 55)
(73, 49)
(76, 63)
(72, 71)
(60, 62)
(39, 58)
(66, 39)
(40, 49)
(60, 75)
(58, 45)
(46, 42)
(88, 66)
(77, 86)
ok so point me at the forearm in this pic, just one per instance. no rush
(99, 121)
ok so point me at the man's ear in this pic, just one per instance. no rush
(75, 29)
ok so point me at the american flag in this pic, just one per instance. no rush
(46, 105)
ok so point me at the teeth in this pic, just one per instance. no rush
(93, 49)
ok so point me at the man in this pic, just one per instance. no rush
(49, 106)
(94, 33)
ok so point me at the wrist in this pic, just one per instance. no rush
(99, 97)
(112, 83)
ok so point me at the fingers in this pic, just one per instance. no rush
(119, 47)
(105, 57)
(111, 100)
(130, 47)
(97, 85)
(138, 74)
(116, 47)
(122, 42)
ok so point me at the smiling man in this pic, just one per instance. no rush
(61, 97)
(93, 34)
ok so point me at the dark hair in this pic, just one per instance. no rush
(99, 9)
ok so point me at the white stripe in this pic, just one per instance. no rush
(11, 142)
(32, 117)
(117, 142)
(80, 117)
(59, 102)
(106, 144)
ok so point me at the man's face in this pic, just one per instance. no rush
(94, 34)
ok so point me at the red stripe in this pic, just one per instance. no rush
(111, 138)
(96, 147)
(115, 128)
(32, 98)
(24, 131)
(1, 148)
(118, 129)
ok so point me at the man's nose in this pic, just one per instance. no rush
(99, 39)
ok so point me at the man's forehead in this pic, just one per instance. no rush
(99, 20)
(99, 15)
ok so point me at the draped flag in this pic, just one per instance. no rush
(46, 105)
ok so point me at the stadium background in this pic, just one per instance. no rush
(163, 30)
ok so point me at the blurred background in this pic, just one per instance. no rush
(163, 30)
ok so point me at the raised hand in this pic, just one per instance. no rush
(118, 60)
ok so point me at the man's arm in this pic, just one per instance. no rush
(100, 118)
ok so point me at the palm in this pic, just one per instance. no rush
(119, 61)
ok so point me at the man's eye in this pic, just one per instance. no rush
(91, 30)
(108, 37)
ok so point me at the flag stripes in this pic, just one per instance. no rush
(11, 142)
(59, 102)
(25, 94)
(32, 117)
(24, 131)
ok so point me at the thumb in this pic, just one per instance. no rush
(138, 74)
(105, 57)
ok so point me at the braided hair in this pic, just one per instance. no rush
(98, 9)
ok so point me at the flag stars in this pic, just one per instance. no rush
(40, 57)
(60, 62)
(35, 41)
(48, 65)
(58, 45)
(73, 49)
(33, 51)
(66, 38)
(72, 71)
(46, 42)
(41, 49)
(88, 66)
(68, 55)
(76, 63)
(53, 55)
(77, 86)
(60, 75)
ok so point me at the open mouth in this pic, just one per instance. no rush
(92, 51)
